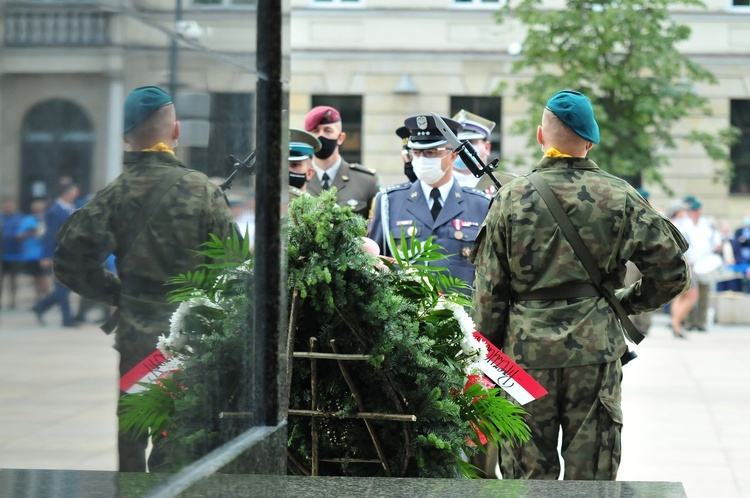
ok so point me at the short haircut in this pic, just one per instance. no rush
(557, 131)
(156, 125)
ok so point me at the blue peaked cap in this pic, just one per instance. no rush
(142, 103)
(574, 109)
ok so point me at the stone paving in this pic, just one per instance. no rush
(686, 403)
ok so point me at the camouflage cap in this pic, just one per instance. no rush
(142, 103)
(574, 109)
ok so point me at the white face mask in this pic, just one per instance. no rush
(429, 171)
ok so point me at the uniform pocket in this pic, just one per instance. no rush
(610, 437)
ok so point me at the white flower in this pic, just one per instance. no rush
(177, 321)
(473, 349)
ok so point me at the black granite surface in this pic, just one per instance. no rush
(66, 483)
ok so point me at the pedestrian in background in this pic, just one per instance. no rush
(703, 255)
(11, 253)
(535, 300)
(56, 216)
(30, 233)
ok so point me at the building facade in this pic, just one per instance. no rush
(66, 67)
(389, 59)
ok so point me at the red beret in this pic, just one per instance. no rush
(321, 114)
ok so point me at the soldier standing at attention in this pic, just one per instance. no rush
(434, 205)
(302, 146)
(152, 218)
(356, 185)
(572, 345)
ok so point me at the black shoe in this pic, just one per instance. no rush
(71, 324)
(39, 315)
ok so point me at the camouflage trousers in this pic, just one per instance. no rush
(134, 347)
(585, 403)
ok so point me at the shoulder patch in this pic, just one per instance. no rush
(481, 193)
(400, 186)
(362, 169)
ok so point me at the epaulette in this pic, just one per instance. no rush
(476, 191)
(400, 186)
(362, 169)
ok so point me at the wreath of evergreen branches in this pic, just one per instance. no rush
(390, 310)
(418, 366)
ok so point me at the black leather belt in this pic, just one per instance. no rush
(567, 291)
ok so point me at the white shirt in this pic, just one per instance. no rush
(444, 190)
(332, 172)
(702, 236)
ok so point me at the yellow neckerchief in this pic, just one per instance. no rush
(159, 147)
(552, 152)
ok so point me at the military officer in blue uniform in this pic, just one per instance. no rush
(434, 205)
(356, 185)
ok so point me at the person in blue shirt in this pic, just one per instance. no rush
(54, 219)
(30, 233)
(11, 253)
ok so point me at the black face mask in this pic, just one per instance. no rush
(409, 172)
(327, 147)
(297, 180)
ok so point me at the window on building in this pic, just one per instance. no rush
(488, 107)
(478, 3)
(225, 3)
(350, 108)
(336, 3)
(230, 132)
(740, 117)
(741, 4)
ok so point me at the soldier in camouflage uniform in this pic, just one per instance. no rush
(571, 345)
(192, 208)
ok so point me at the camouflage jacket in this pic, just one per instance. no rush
(190, 210)
(520, 248)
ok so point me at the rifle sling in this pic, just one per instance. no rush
(606, 288)
(138, 222)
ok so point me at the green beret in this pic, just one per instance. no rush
(692, 203)
(574, 109)
(142, 103)
(302, 145)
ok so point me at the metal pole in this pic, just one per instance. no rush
(270, 287)
(173, 51)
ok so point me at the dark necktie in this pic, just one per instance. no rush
(326, 181)
(436, 207)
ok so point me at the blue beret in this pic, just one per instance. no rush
(142, 103)
(574, 109)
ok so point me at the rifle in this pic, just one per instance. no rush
(468, 153)
(247, 165)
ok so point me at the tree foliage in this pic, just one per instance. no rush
(623, 55)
